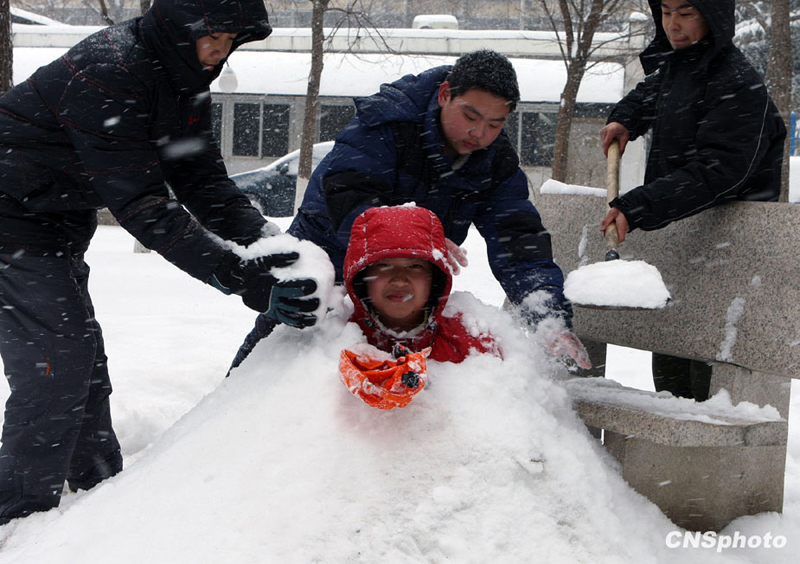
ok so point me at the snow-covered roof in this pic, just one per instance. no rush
(286, 74)
(360, 75)
(435, 21)
(29, 18)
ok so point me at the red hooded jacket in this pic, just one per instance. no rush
(408, 232)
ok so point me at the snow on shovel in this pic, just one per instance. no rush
(615, 283)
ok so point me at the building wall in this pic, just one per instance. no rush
(255, 130)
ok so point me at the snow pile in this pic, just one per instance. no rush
(282, 464)
(279, 463)
(617, 283)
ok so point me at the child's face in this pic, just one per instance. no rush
(399, 289)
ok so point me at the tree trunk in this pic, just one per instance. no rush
(576, 57)
(779, 77)
(104, 13)
(6, 48)
(566, 109)
(309, 131)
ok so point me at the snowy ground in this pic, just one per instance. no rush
(281, 464)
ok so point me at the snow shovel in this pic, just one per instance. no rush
(615, 283)
(612, 191)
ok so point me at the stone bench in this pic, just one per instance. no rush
(702, 470)
(732, 272)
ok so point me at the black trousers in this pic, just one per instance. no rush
(681, 377)
(57, 419)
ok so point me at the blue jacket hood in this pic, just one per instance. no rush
(406, 99)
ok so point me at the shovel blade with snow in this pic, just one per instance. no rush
(615, 283)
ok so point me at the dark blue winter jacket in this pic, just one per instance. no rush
(118, 119)
(392, 153)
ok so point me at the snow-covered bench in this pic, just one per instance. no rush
(733, 275)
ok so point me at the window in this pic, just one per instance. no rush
(533, 135)
(216, 122)
(511, 128)
(537, 138)
(275, 130)
(246, 126)
(332, 120)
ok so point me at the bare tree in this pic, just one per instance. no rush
(309, 128)
(350, 15)
(6, 48)
(113, 11)
(575, 23)
(103, 11)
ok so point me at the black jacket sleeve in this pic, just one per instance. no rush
(733, 138)
(200, 181)
(106, 112)
(637, 110)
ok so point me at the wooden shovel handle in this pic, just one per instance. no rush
(612, 190)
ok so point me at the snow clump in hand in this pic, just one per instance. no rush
(313, 264)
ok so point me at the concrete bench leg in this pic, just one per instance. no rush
(702, 488)
(705, 488)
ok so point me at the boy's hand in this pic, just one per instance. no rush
(456, 257)
(566, 344)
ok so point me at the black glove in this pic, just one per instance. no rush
(252, 279)
(289, 304)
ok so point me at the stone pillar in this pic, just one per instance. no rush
(756, 387)
(704, 488)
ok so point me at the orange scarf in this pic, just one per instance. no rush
(384, 384)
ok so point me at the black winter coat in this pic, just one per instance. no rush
(119, 118)
(716, 134)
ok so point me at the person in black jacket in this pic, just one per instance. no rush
(115, 122)
(716, 137)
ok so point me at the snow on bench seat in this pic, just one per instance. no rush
(668, 420)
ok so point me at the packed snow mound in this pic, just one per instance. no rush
(488, 464)
(617, 283)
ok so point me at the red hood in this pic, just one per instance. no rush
(399, 232)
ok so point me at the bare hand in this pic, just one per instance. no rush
(615, 216)
(456, 257)
(614, 130)
(566, 344)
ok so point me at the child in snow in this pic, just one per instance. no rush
(397, 275)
